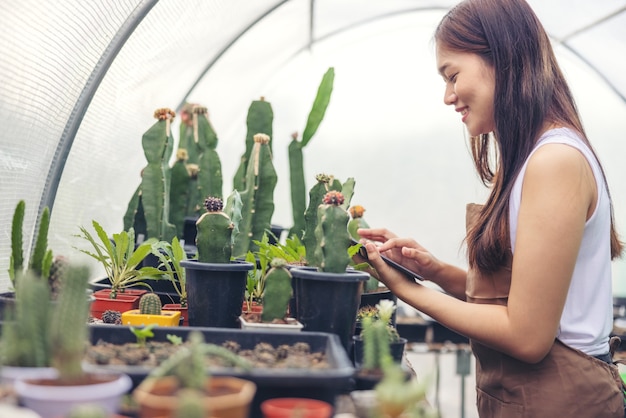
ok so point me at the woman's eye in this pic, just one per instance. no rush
(452, 78)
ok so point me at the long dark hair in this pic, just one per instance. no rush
(530, 90)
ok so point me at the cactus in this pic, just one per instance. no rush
(68, 329)
(356, 221)
(180, 179)
(214, 233)
(57, 271)
(186, 139)
(191, 404)
(25, 335)
(259, 119)
(324, 184)
(332, 235)
(150, 304)
(41, 258)
(376, 351)
(210, 166)
(296, 159)
(277, 291)
(88, 410)
(257, 198)
(112, 317)
(151, 199)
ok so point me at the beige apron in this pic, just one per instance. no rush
(567, 383)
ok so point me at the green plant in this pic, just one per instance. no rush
(377, 333)
(332, 234)
(296, 158)
(210, 166)
(170, 255)
(174, 339)
(142, 334)
(214, 233)
(150, 304)
(148, 209)
(398, 397)
(120, 258)
(257, 197)
(277, 292)
(41, 259)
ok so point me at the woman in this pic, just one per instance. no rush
(536, 300)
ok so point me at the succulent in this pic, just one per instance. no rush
(357, 221)
(210, 167)
(57, 270)
(277, 291)
(150, 304)
(112, 317)
(214, 233)
(332, 235)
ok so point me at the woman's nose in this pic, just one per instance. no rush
(449, 96)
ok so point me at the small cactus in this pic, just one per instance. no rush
(357, 221)
(191, 404)
(150, 304)
(57, 270)
(277, 291)
(112, 317)
(332, 235)
(214, 233)
(88, 411)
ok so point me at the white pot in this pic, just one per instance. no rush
(291, 325)
(52, 401)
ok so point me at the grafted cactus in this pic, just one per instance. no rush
(214, 233)
(332, 234)
(357, 221)
(150, 203)
(260, 118)
(257, 198)
(150, 304)
(277, 291)
(180, 180)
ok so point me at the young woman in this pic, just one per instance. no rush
(536, 300)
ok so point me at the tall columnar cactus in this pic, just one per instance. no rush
(260, 118)
(214, 233)
(150, 304)
(186, 139)
(277, 291)
(332, 234)
(41, 258)
(324, 184)
(296, 159)
(257, 198)
(68, 330)
(209, 164)
(180, 179)
(150, 204)
(357, 221)
(376, 351)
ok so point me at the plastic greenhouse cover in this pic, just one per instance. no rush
(80, 82)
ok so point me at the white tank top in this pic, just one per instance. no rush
(587, 318)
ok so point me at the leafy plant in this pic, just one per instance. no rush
(120, 258)
(142, 334)
(170, 255)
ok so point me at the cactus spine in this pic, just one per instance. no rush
(150, 304)
(152, 196)
(296, 159)
(257, 198)
(210, 166)
(260, 118)
(277, 291)
(332, 235)
(214, 233)
(68, 330)
(324, 184)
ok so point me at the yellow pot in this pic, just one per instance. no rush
(166, 319)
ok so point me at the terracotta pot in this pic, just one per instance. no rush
(51, 400)
(184, 316)
(228, 397)
(166, 319)
(125, 301)
(254, 307)
(296, 407)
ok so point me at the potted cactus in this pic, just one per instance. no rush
(150, 312)
(121, 261)
(215, 284)
(67, 338)
(182, 384)
(335, 285)
(276, 297)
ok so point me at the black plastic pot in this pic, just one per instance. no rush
(215, 292)
(322, 384)
(372, 299)
(328, 302)
(396, 349)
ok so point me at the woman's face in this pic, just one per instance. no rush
(470, 87)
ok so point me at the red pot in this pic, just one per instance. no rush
(125, 301)
(184, 317)
(296, 407)
(255, 307)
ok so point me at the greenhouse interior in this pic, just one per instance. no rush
(83, 81)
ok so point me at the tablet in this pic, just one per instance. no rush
(408, 273)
